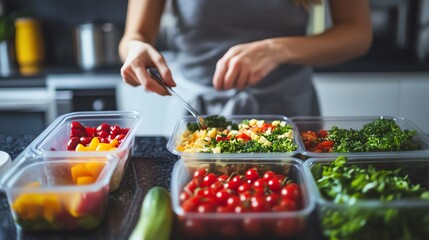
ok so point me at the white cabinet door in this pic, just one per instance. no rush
(156, 120)
(363, 94)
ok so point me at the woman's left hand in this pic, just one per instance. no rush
(245, 65)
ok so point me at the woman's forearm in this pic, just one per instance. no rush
(142, 23)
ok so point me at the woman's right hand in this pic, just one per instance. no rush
(142, 56)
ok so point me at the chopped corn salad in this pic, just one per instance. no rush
(251, 136)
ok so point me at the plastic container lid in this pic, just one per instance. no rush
(5, 160)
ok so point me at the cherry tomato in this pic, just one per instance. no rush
(269, 174)
(259, 185)
(216, 186)
(191, 186)
(272, 199)
(253, 227)
(224, 209)
(103, 127)
(252, 175)
(191, 204)
(115, 130)
(222, 178)
(244, 187)
(208, 180)
(72, 143)
(274, 184)
(184, 196)
(207, 207)
(222, 196)
(286, 227)
(288, 204)
(233, 201)
(291, 190)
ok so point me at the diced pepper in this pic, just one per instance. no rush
(79, 170)
(85, 180)
(94, 168)
(30, 206)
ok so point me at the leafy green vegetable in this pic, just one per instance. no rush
(378, 136)
(346, 183)
(214, 121)
(277, 144)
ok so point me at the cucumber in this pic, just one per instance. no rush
(156, 216)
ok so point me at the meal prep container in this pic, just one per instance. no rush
(304, 124)
(372, 218)
(54, 139)
(181, 127)
(247, 225)
(60, 192)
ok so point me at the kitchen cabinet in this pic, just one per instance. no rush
(400, 94)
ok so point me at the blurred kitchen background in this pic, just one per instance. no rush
(61, 56)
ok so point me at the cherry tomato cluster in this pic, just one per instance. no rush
(250, 192)
(80, 134)
(317, 142)
(251, 189)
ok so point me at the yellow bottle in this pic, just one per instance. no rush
(30, 49)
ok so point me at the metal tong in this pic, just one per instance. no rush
(155, 74)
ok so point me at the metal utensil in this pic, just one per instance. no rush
(155, 74)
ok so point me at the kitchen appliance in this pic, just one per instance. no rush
(96, 44)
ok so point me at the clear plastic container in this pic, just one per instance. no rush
(244, 225)
(181, 126)
(405, 218)
(59, 193)
(315, 124)
(55, 137)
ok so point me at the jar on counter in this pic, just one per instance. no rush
(30, 49)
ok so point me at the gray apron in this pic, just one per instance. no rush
(208, 28)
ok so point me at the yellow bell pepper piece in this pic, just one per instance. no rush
(79, 170)
(94, 168)
(85, 180)
(30, 206)
(107, 146)
(91, 147)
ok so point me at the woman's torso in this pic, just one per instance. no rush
(208, 28)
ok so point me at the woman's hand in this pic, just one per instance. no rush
(142, 56)
(245, 65)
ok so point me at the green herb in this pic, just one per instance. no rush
(277, 144)
(214, 121)
(378, 136)
(346, 183)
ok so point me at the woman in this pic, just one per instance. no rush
(243, 56)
